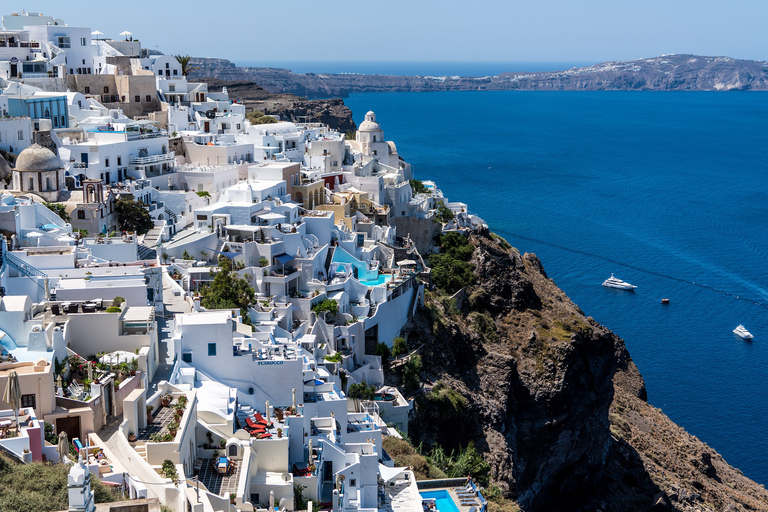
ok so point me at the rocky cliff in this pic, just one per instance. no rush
(331, 112)
(670, 73)
(553, 400)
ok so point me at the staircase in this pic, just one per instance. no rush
(141, 450)
(20, 265)
(170, 214)
(148, 248)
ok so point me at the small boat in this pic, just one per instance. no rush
(614, 282)
(742, 332)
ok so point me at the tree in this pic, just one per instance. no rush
(185, 255)
(228, 290)
(418, 187)
(329, 305)
(132, 216)
(399, 347)
(186, 65)
(382, 350)
(264, 120)
(58, 209)
(444, 214)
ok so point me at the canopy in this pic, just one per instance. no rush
(284, 258)
(50, 226)
(126, 33)
(388, 473)
(12, 394)
(405, 263)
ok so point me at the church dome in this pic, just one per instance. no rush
(37, 158)
(5, 169)
(370, 124)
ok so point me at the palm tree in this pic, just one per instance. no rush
(186, 66)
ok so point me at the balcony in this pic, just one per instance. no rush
(153, 159)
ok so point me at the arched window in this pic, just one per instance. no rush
(233, 450)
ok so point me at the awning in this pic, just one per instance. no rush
(284, 258)
(405, 263)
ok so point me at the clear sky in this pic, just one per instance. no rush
(419, 30)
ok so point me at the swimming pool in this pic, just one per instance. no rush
(383, 278)
(443, 500)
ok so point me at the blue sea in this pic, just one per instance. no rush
(475, 68)
(665, 189)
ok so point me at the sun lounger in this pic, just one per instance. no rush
(265, 435)
(255, 424)
(260, 418)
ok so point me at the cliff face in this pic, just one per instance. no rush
(331, 112)
(668, 73)
(554, 401)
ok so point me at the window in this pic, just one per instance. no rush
(352, 482)
(119, 160)
(232, 450)
(106, 89)
(106, 162)
(82, 43)
(81, 214)
(28, 401)
(149, 98)
(87, 90)
(31, 184)
(212, 349)
(137, 98)
(175, 72)
(167, 65)
(171, 87)
(21, 134)
(186, 357)
(83, 62)
(160, 72)
(63, 42)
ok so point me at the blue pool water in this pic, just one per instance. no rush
(383, 278)
(665, 189)
(443, 500)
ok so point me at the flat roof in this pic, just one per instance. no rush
(205, 318)
(138, 314)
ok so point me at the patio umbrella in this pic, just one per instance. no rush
(12, 395)
(90, 371)
(294, 400)
(266, 413)
(63, 446)
(271, 501)
(310, 453)
(97, 34)
(126, 33)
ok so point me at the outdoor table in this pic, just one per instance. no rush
(221, 467)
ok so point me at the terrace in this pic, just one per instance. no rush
(221, 484)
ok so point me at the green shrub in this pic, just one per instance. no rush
(329, 305)
(59, 209)
(451, 269)
(263, 262)
(362, 391)
(444, 214)
(399, 347)
(382, 350)
(113, 309)
(411, 372)
(203, 193)
(418, 187)
(335, 358)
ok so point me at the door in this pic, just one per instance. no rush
(70, 425)
(14, 70)
(84, 160)
(207, 126)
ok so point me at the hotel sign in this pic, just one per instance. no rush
(269, 362)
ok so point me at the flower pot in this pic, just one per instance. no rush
(132, 438)
(173, 432)
(165, 402)
(133, 373)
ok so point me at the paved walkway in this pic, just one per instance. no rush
(172, 304)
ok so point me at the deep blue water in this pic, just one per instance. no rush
(414, 68)
(665, 189)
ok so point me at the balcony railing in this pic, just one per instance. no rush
(22, 44)
(154, 159)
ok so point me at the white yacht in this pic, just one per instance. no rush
(742, 332)
(614, 282)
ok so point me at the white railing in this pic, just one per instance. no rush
(153, 159)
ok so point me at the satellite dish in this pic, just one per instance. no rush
(210, 114)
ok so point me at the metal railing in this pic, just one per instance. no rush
(153, 159)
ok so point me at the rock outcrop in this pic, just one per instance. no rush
(669, 73)
(554, 402)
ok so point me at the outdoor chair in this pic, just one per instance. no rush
(260, 418)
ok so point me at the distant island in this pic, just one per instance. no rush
(664, 73)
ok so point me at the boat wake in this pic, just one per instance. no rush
(756, 302)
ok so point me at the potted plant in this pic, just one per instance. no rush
(131, 437)
(222, 443)
(215, 454)
(149, 413)
(166, 399)
(209, 436)
(133, 366)
(183, 400)
(177, 416)
(173, 427)
(232, 498)
(279, 432)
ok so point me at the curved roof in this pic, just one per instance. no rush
(38, 158)
(370, 124)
